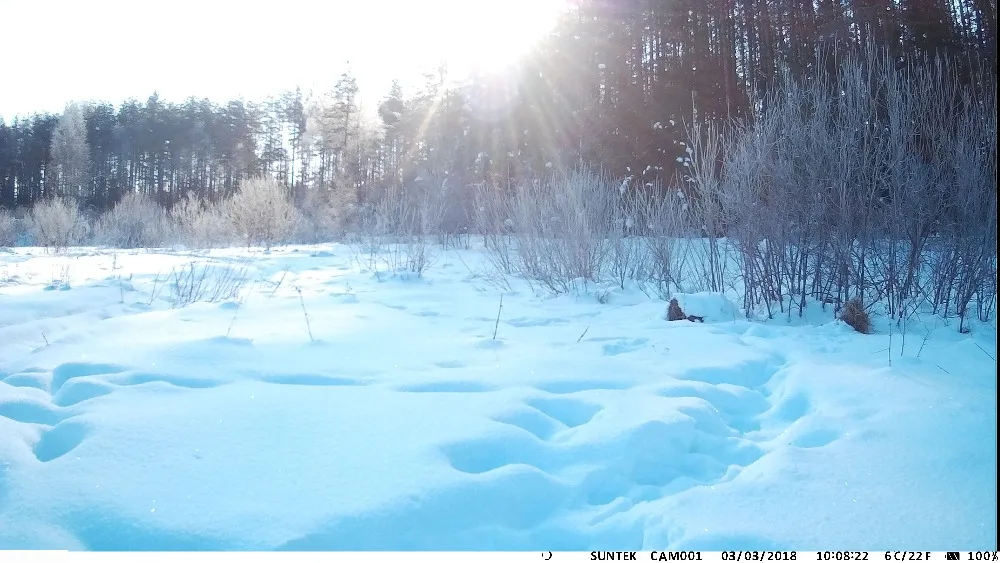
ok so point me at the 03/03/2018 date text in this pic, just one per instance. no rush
(759, 555)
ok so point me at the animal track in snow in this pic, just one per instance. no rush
(815, 438)
(32, 378)
(531, 421)
(643, 462)
(569, 386)
(750, 374)
(317, 380)
(485, 454)
(188, 382)
(527, 322)
(788, 409)
(624, 346)
(72, 370)
(711, 437)
(738, 406)
(28, 411)
(570, 412)
(447, 387)
(60, 440)
(79, 390)
(228, 341)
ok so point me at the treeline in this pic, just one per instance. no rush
(612, 87)
(867, 184)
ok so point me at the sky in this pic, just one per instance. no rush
(57, 51)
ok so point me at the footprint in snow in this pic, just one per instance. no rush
(60, 440)
(447, 387)
(624, 346)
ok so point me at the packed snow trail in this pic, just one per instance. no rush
(393, 419)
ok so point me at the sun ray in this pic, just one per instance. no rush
(474, 35)
(426, 121)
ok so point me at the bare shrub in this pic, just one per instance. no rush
(449, 202)
(10, 228)
(629, 256)
(328, 214)
(394, 233)
(856, 317)
(871, 179)
(583, 227)
(57, 223)
(663, 220)
(493, 214)
(198, 224)
(206, 282)
(917, 176)
(986, 302)
(562, 227)
(135, 222)
(431, 203)
(261, 213)
(973, 227)
(704, 180)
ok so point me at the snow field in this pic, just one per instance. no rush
(303, 403)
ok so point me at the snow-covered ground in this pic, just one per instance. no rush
(303, 404)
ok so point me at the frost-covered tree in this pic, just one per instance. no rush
(70, 153)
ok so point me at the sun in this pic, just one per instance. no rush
(484, 35)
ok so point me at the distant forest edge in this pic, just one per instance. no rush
(614, 87)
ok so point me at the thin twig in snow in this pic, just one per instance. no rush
(496, 325)
(305, 314)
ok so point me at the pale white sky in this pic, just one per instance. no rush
(56, 51)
